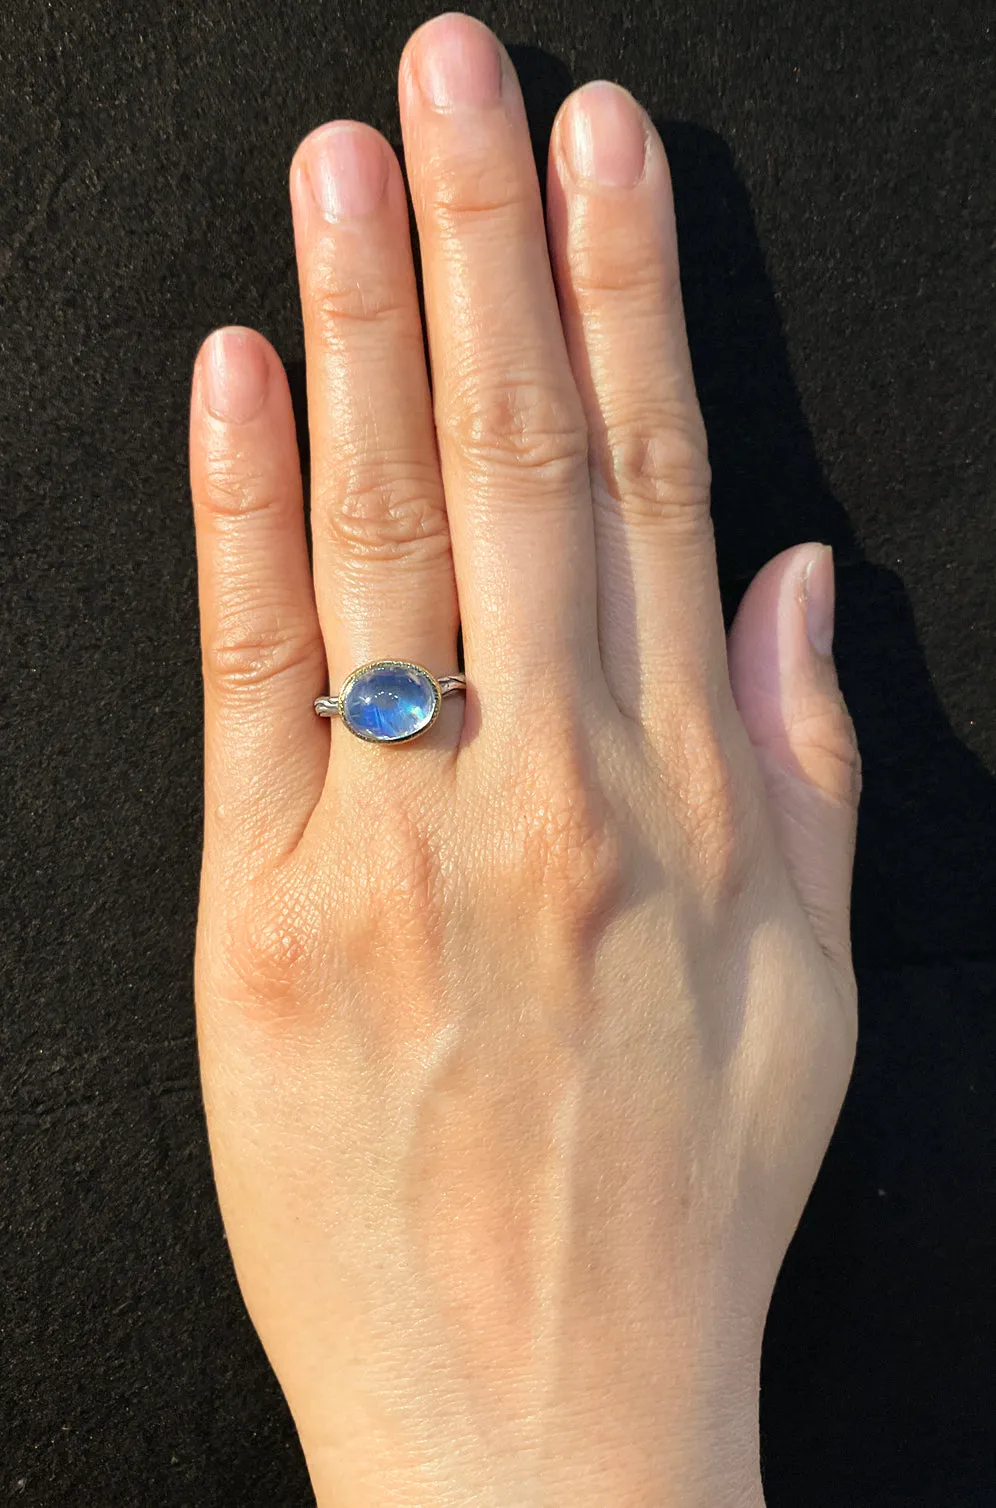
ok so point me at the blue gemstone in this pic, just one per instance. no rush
(388, 701)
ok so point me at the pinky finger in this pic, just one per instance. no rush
(265, 751)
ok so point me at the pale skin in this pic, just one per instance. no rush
(521, 1043)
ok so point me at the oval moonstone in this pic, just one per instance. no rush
(389, 701)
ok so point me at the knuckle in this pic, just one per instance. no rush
(335, 304)
(275, 947)
(654, 467)
(393, 911)
(467, 187)
(386, 512)
(713, 827)
(408, 886)
(522, 424)
(568, 848)
(628, 270)
(580, 860)
(234, 489)
(248, 650)
(713, 815)
(298, 934)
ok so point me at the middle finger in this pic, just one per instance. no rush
(509, 419)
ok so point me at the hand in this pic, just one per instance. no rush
(522, 1042)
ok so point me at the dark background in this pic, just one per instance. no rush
(835, 172)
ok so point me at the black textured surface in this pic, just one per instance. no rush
(835, 170)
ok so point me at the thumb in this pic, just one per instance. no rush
(785, 687)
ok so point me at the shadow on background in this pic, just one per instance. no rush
(876, 1371)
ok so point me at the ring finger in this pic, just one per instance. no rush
(383, 571)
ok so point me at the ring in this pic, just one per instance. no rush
(390, 701)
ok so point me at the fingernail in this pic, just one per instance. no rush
(605, 140)
(818, 599)
(235, 375)
(457, 62)
(346, 166)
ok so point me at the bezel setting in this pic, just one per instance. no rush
(387, 665)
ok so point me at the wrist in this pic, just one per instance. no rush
(392, 1489)
(644, 1457)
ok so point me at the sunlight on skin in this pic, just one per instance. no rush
(522, 1042)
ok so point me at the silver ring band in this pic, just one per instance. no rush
(328, 706)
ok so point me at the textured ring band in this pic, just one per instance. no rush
(389, 701)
